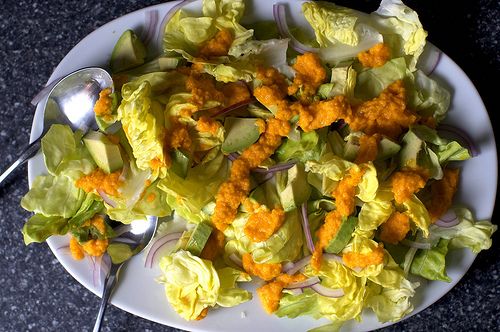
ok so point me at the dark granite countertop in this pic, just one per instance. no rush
(38, 294)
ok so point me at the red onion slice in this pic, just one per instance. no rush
(461, 135)
(274, 168)
(106, 198)
(429, 59)
(166, 19)
(304, 284)
(123, 239)
(151, 23)
(306, 229)
(233, 107)
(279, 14)
(449, 219)
(327, 292)
(293, 268)
(418, 245)
(233, 156)
(236, 260)
(333, 257)
(158, 244)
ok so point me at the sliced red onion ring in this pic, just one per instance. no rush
(303, 284)
(233, 107)
(293, 268)
(449, 219)
(328, 292)
(333, 257)
(233, 156)
(166, 19)
(45, 91)
(414, 244)
(125, 172)
(158, 244)
(236, 259)
(274, 168)
(279, 14)
(106, 198)
(429, 59)
(151, 23)
(306, 229)
(462, 137)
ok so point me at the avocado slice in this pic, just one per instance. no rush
(297, 189)
(343, 236)
(198, 238)
(240, 134)
(162, 63)
(106, 154)
(387, 148)
(129, 52)
(181, 162)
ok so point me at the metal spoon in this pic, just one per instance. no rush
(71, 101)
(141, 233)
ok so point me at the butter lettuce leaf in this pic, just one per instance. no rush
(308, 147)
(283, 245)
(184, 195)
(191, 283)
(229, 294)
(468, 233)
(402, 30)
(39, 228)
(53, 196)
(431, 263)
(65, 154)
(185, 34)
(391, 304)
(143, 123)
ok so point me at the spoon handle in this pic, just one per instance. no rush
(109, 283)
(29, 152)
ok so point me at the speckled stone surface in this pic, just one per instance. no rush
(37, 294)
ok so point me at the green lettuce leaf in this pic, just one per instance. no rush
(143, 123)
(371, 82)
(184, 34)
(468, 233)
(430, 263)
(53, 196)
(283, 245)
(426, 96)
(191, 283)
(39, 228)
(65, 154)
(340, 32)
(184, 196)
(391, 304)
(418, 213)
(402, 30)
(308, 147)
(229, 294)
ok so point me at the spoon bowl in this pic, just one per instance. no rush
(71, 101)
(137, 236)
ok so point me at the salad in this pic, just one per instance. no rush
(315, 166)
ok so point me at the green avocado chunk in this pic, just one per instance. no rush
(343, 236)
(198, 238)
(297, 189)
(129, 52)
(105, 153)
(240, 134)
(181, 162)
